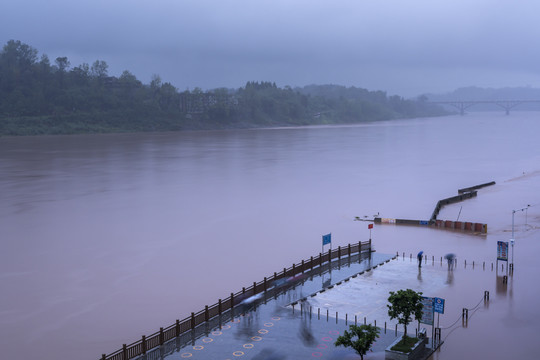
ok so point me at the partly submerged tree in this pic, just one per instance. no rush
(403, 304)
(360, 338)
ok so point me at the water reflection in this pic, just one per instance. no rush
(249, 323)
(450, 277)
(269, 354)
(305, 333)
(501, 280)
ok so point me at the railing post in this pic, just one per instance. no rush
(232, 300)
(103, 356)
(265, 285)
(293, 269)
(329, 255)
(339, 252)
(161, 336)
(124, 352)
(312, 263)
(320, 259)
(302, 266)
(359, 247)
(219, 306)
(349, 250)
(143, 344)
(206, 313)
(177, 328)
(192, 321)
(254, 287)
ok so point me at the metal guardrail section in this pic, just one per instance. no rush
(146, 343)
(476, 187)
(450, 200)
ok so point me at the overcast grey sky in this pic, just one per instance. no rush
(404, 47)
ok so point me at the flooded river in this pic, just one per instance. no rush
(109, 237)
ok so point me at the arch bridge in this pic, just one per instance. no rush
(463, 105)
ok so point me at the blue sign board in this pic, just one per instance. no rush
(427, 311)
(326, 239)
(438, 305)
(502, 250)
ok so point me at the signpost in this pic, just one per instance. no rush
(438, 305)
(502, 250)
(370, 226)
(427, 311)
(326, 240)
(432, 305)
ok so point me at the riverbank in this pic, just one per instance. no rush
(115, 123)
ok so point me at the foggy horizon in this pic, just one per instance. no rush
(405, 49)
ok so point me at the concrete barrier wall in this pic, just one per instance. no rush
(444, 224)
(451, 200)
(459, 225)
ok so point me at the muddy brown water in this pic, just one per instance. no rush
(109, 237)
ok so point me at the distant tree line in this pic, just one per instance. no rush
(38, 96)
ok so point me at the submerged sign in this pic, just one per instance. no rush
(502, 250)
(427, 310)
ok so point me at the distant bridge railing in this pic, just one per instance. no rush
(146, 343)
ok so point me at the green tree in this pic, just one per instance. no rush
(360, 338)
(62, 63)
(99, 69)
(403, 304)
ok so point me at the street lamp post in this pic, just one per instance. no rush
(512, 240)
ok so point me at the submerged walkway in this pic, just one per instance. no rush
(354, 289)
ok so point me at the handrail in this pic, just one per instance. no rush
(147, 343)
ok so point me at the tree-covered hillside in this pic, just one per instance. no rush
(40, 96)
